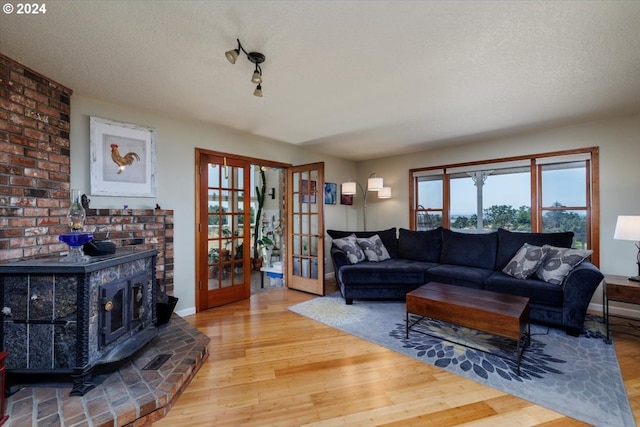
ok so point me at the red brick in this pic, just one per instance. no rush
(22, 222)
(8, 127)
(49, 166)
(30, 93)
(21, 120)
(35, 134)
(23, 181)
(20, 243)
(47, 203)
(36, 173)
(20, 78)
(20, 140)
(11, 254)
(19, 99)
(22, 161)
(11, 106)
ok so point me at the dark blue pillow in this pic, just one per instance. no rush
(471, 250)
(420, 245)
(509, 242)
(388, 237)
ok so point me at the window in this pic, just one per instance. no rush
(548, 192)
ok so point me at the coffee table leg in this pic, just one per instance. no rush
(407, 324)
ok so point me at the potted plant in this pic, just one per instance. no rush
(260, 193)
(214, 257)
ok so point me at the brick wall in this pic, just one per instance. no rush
(140, 229)
(35, 176)
(34, 162)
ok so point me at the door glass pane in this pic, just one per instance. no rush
(213, 175)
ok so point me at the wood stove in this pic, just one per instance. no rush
(66, 321)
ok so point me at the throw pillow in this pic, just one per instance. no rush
(525, 262)
(559, 263)
(373, 248)
(350, 246)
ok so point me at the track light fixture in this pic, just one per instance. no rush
(254, 57)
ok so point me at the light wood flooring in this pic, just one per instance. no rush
(271, 367)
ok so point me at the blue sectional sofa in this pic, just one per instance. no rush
(471, 260)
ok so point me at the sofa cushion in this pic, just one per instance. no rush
(349, 245)
(470, 277)
(509, 242)
(559, 262)
(537, 291)
(388, 272)
(388, 237)
(373, 248)
(525, 262)
(472, 250)
(420, 245)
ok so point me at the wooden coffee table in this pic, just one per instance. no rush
(491, 312)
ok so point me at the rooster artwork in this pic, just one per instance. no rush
(121, 160)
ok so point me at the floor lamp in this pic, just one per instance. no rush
(374, 183)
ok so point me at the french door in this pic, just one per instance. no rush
(224, 229)
(305, 237)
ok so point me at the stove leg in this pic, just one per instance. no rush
(82, 383)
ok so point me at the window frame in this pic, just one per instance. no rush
(536, 162)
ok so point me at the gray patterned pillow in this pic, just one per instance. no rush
(373, 248)
(559, 263)
(350, 246)
(525, 262)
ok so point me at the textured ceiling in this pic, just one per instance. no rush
(360, 79)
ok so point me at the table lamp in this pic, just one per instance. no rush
(628, 228)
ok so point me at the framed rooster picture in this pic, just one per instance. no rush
(123, 159)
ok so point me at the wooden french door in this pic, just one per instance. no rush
(224, 230)
(305, 237)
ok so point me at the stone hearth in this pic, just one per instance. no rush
(131, 396)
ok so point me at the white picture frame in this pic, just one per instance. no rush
(123, 159)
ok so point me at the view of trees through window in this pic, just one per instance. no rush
(482, 200)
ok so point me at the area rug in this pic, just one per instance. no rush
(575, 376)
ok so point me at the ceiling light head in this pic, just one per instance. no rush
(258, 91)
(232, 55)
(257, 75)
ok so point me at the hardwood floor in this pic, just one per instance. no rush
(270, 366)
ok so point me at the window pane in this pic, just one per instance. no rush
(430, 192)
(492, 199)
(564, 184)
(464, 202)
(563, 220)
(428, 220)
(506, 200)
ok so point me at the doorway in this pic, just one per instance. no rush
(241, 216)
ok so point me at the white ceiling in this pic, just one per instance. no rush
(356, 79)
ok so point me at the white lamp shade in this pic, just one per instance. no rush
(256, 78)
(385, 193)
(348, 188)
(627, 228)
(375, 184)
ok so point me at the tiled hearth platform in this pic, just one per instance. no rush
(131, 396)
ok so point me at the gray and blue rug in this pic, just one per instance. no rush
(578, 377)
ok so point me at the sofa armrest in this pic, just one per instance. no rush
(339, 258)
(578, 289)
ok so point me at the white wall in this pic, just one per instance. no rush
(176, 144)
(619, 142)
